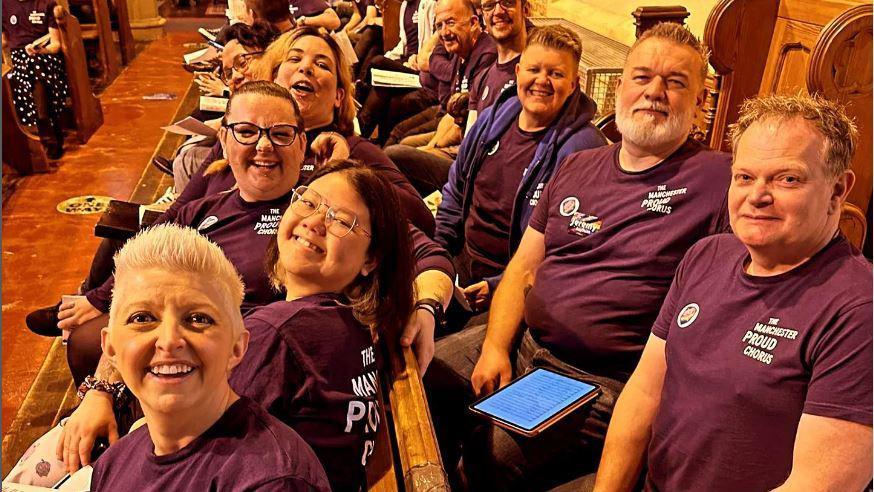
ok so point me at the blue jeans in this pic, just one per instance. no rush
(481, 456)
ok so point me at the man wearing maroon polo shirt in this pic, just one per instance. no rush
(591, 270)
(757, 375)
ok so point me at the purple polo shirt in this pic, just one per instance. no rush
(240, 228)
(488, 86)
(307, 8)
(613, 240)
(246, 449)
(487, 228)
(746, 356)
(24, 22)
(438, 78)
(313, 365)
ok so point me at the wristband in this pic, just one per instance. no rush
(115, 390)
(434, 307)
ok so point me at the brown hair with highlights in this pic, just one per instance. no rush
(829, 119)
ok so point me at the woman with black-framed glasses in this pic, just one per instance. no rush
(343, 258)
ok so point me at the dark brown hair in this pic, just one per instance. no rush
(272, 11)
(256, 37)
(383, 299)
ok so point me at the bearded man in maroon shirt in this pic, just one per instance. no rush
(592, 268)
(757, 375)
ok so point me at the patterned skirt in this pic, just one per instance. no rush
(47, 69)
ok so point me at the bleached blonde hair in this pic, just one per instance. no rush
(827, 117)
(175, 248)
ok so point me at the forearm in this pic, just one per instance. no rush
(434, 284)
(106, 370)
(353, 22)
(450, 136)
(627, 439)
(327, 19)
(508, 308)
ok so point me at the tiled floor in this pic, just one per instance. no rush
(45, 253)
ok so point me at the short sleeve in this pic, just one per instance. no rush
(840, 380)
(285, 484)
(265, 371)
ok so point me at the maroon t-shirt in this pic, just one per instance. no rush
(308, 8)
(613, 240)
(247, 449)
(312, 365)
(487, 228)
(240, 228)
(26, 21)
(746, 356)
(488, 86)
(463, 72)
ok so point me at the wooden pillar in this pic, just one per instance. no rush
(145, 22)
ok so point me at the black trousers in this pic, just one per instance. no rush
(385, 107)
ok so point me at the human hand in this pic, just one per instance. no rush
(31, 50)
(413, 62)
(492, 371)
(240, 12)
(92, 419)
(478, 295)
(209, 84)
(419, 333)
(329, 146)
(73, 314)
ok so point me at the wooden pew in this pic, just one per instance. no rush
(125, 34)
(110, 61)
(21, 149)
(415, 459)
(790, 46)
(87, 111)
(391, 27)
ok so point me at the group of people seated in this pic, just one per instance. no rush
(233, 344)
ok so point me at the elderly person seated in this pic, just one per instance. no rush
(773, 320)
(175, 332)
(343, 259)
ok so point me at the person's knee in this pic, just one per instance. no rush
(83, 350)
(493, 460)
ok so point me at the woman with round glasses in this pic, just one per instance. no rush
(312, 67)
(343, 258)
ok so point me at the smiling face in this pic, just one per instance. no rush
(174, 336)
(659, 93)
(505, 24)
(456, 27)
(545, 77)
(309, 254)
(234, 78)
(781, 200)
(263, 171)
(310, 73)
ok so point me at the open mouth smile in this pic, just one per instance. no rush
(307, 244)
(177, 370)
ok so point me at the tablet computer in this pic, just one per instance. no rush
(533, 402)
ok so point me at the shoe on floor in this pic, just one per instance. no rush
(44, 321)
(163, 164)
(167, 198)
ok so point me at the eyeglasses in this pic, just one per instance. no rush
(339, 222)
(241, 62)
(507, 4)
(249, 133)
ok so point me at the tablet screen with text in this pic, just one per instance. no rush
(534, 398)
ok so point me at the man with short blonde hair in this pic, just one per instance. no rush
(773, 322)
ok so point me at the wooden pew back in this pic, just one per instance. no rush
(87, 111)
(125, 34)
(21, 149)
(791, 46)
